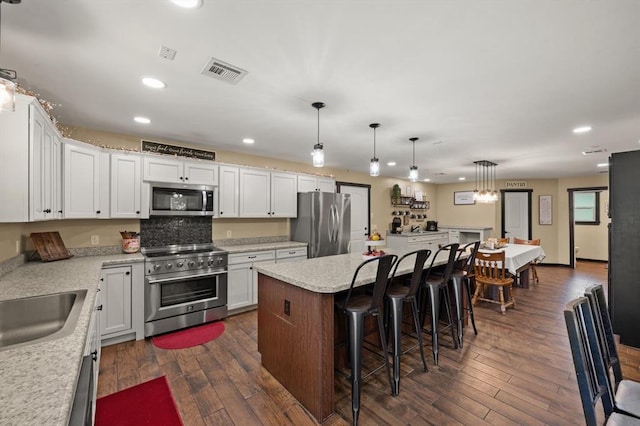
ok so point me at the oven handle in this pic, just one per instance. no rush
(167, 280)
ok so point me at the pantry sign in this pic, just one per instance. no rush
(180, 151)
(515, 184)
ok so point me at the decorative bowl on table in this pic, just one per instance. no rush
(371, 254)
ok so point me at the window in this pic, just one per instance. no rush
(586, 207)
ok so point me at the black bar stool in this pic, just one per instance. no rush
(357, 307)
(398, 293)
(462, 276)
(436, 284)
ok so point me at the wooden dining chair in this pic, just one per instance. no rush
(489, 270)
(532, 265)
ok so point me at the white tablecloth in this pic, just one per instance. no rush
(518, 255)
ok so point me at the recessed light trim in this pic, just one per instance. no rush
(391, 163)
(603, 164)
(188, 4)
(462, 178)
(142, 120)
(582, 129)
(427, 180)
(248, 141)
(153, 83)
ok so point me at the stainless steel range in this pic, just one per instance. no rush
(184, 285)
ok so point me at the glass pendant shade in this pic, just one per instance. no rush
(318, 155)
(413, 173)
(374, 167)
(318, 151)
(7, 95)
(413, 170)
(485, 191)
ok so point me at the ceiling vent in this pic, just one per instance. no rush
(223, 71)
(590, 151)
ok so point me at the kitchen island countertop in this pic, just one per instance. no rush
(39, 380)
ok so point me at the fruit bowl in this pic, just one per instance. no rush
(370, 254)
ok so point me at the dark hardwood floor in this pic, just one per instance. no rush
(517, 371)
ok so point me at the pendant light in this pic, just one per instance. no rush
(318, 153)
(7, 77)
(374, 165)
(485, 191)
(413, 170)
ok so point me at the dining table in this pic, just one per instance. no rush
(518, 258)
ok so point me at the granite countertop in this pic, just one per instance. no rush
(39, 380)
(332, 274)
(484, 228)
(244, 248)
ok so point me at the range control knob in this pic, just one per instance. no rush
(210, 261)
(191, 264)
(180, 264)
(201, 262)
(169, 265)
(157, 266)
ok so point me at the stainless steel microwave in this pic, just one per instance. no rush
(168, 199)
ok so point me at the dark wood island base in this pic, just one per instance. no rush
(296, 342)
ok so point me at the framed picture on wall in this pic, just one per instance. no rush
(461, 198)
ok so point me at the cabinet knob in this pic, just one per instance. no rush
(181, 178)
(186, 178)
(98, 212)
(220, 212)
(99, 308)
(46, 211)
(59, 211)
(137, 211)
(94, 355)
(127, 273)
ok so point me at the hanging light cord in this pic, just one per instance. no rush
(374, 142)
(414, 154)
(318, 125)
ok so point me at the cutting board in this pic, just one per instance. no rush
(49, 246)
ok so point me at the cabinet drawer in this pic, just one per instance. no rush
(250, 257)
(291, 252)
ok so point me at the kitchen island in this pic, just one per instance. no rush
(296, 322)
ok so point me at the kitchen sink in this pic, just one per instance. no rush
(40, 318)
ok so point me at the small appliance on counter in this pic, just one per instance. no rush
(432, 225)
(396, 225)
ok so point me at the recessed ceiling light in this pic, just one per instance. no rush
(603, 164)
(190, 4)
(582, 129)
(142, 120)
(462, 178)
(427, 180)
(391, 163)
(154, 82)
(248, 141)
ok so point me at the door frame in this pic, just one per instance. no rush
(572, 230)
(502, 209)
(339, 184)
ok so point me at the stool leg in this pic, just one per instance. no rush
(467, 283)
(356, 336)
(457, 295)
(447, 308)
(383, 340)
(434, 298)
(396, 326)
(416, 323)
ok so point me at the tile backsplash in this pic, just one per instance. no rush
(161, 231)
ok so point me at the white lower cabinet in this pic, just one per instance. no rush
(242, 281)
(122, 296)
(431, 240)
(291, 255)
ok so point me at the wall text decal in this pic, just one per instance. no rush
(163, 148)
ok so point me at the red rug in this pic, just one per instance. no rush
(189, 337)
(149, 403)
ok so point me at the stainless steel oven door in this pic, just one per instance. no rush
(176, 295)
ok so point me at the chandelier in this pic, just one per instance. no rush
(413, 170)
(485, 191)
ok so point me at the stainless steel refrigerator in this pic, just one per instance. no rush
(323, 222)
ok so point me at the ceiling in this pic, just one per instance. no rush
(474, 80)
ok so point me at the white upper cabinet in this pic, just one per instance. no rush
(160, 169)
(30, 164)
(82, 181)
(229, 192)
(126, 183)
(267, 194)
(310, 183)
(255, 190)
(284, 195)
